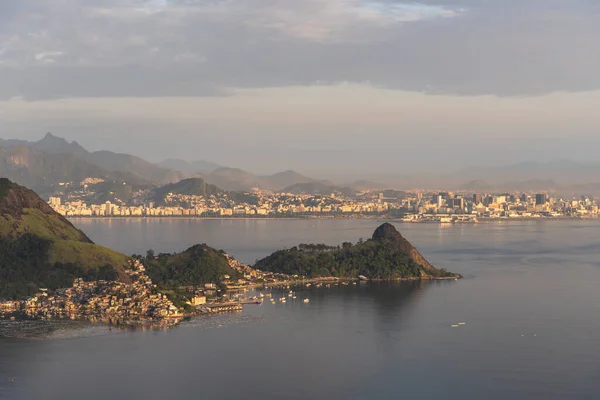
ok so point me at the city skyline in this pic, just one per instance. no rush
(310, 86)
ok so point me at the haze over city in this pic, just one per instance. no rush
(334, 89)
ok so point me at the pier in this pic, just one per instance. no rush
(219, 308)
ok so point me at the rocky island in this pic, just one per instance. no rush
(386, 256)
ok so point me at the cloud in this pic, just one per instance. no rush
(113, 48)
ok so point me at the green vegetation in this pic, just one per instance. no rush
(26, 264)
(179, 298)
(5, 186)
(40, 248)
(388, 257)
(371, 258)
(197, 265)
(49, 226)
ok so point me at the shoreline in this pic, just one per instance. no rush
(373, 218)
(330, 279)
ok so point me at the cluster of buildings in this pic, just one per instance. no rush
(461, 207)
(417, 206)
(257, 205)
(114, 302)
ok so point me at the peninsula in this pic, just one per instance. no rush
(386, 256)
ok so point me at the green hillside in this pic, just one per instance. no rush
(195, 266)
(40, 248)
(387, 256)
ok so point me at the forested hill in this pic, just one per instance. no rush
(387, 255)
(195, 266)
(40, 248)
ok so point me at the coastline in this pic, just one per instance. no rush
(333, 279)
(311, 217)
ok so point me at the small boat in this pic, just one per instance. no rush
(283, 301)
(294, 297)
(305, 300)
(262, 295)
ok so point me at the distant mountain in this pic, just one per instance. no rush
(519, 186)
(366, 185)
(283, 179)
(324, 188)
(124, 164)
(40, 248)
(190, 186)
(561, 172)
(56, 145)
(194, 167)
(235, 179)
(42, 171)
(133, 165)
(529, 185)
(13, 142)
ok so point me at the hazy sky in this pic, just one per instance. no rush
(320, 86)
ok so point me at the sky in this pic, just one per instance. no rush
(325, 87)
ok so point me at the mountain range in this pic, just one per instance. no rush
(235, 179)
(194, 167)
(44, 164)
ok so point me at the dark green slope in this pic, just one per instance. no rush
(386, 256)
(40, 248)
(195, 266)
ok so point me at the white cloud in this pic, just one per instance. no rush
(203, 47)
(48, 57)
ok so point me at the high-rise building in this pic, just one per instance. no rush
(458, 202)
(477, 198)
(540, 199)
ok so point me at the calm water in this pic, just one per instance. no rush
(530, 300)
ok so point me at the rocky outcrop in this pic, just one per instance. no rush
(388, 233)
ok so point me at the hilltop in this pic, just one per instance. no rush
(235, 179)
(190, 187)
(195, 266)
(386, 256)
(40, 248)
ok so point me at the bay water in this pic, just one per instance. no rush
(529, 308)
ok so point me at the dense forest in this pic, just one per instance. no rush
(197, 265)
(25, 267)
(375, 259)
